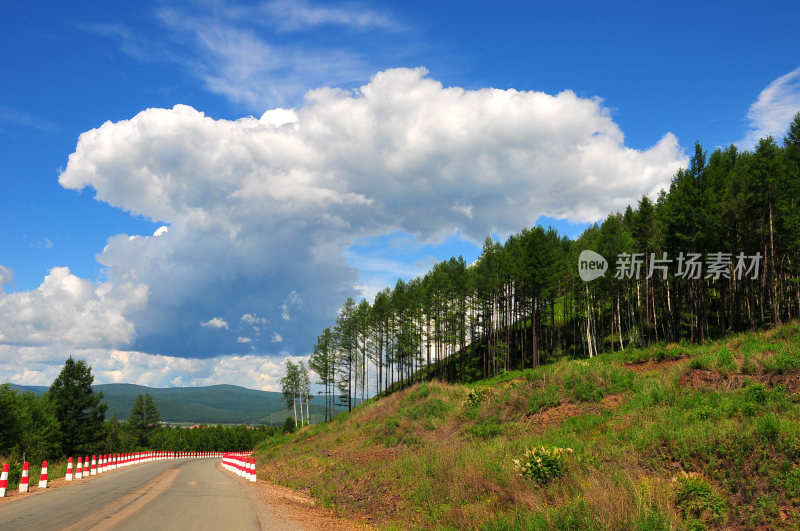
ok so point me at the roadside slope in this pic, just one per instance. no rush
(663, 437)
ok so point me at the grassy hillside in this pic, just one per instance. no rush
(669, 437)
(225, 404)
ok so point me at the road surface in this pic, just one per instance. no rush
(191, 494)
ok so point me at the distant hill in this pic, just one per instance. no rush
(215, 404)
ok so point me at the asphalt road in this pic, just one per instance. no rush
(191, 494)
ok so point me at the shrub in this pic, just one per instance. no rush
(792, 482)
(474, 398)
(768, 428)
(756, 393)
(701, 362)
(487, 429)
(542, 464)
(748, 367)
(725, 363)
(697, 500)
(784, 361)
(288, 426)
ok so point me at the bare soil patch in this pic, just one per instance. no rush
(554, 416)
(653, 365)
(703, 378)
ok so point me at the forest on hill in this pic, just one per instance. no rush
(718, 252)
(214, 404)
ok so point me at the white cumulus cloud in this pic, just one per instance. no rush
(71, 311)
(216, 322)
(261, 211)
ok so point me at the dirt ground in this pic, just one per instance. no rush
(700, 378)
(301, 507)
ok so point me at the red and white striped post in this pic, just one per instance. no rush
(43, 476)
(4, 481)
(68, 476)
(79, 469)
(93, 470)
(252, 470)
(23, 482)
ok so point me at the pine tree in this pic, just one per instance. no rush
(79, 410)
(323, 362)
(151, 414)
(347, 342)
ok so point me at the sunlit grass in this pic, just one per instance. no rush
(442, 456)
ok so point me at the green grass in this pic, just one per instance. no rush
(651, 450)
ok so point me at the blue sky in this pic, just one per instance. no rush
(407, 158)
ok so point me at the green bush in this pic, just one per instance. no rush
(474, 399)
(697, 500)
(748, 367)
(542, 464)
(768, 428)
(487, 429)
(756, 393)
(702, 362)
(786, 360)
(792, 482)
(725, 363)
(288, 425)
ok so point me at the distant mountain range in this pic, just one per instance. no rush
(215, 404)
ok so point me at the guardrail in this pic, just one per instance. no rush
(237, 462)
(241, 464)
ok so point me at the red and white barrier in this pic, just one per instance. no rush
(23, 482)
(43, 476)
(241, 464)
(4, 481)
